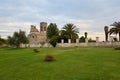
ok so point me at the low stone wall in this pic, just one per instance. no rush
(104, 44)
(35, 45)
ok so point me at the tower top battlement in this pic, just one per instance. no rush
(43, 26)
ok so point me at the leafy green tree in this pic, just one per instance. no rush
(2, 41)
(115, 29)
(91, 40)
(52, 34)
(82, 39)
(70, 31)
(10, 41)
(52, 30)
(17, 39)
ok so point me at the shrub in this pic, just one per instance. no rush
(75, 46)
(49, 58)
(117, 48)
(36, 50)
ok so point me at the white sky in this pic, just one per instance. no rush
(88, 15)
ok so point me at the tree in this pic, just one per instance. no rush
(52, 34)
(70, 31)
(82, 39)
(115, 29)
(2, 41)
(17, 39)
(52, 30)
(90, 40)
(53, 41)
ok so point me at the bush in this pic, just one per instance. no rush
(49, 58)
(117, 48)
(36, 50)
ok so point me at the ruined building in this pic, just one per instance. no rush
(36, 36)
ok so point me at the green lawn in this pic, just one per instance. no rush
(71, 64)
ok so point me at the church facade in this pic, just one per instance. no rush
(37, 36)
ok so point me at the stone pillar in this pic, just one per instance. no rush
(106, 33)
(86, 40)
(85, 34)
(69, 41)
(62, 41)
(77, 40)
(97, 39)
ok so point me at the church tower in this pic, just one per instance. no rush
(43, 27)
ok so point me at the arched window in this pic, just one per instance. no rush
(33, 37)
(44, 28)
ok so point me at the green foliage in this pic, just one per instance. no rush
(53, 41)
(60, 37)
(115, 29)
(10, 40)
(70, 32)
(52, 30)
(90, 40)
(36, 50)
(52, 34)
(82, 39)
(17, 39)
(2, 41)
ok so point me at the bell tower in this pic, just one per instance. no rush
(43, 27)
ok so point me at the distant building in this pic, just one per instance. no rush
(36, 36)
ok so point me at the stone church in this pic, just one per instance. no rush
(36, 36)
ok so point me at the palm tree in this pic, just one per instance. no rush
(115, 29)
(106, 33)
(70, 31)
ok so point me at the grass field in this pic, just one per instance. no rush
(71, 64)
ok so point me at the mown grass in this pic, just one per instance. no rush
(71, 64)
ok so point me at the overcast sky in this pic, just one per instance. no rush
(88, 15)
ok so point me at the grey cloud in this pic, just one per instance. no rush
(99, 12)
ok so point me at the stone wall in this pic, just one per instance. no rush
(35, 45)
(104, 44)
